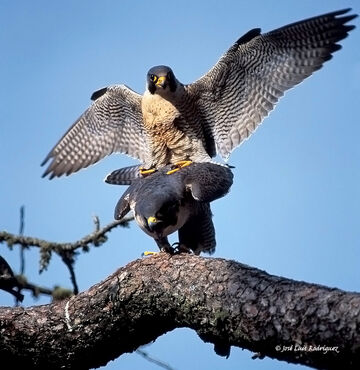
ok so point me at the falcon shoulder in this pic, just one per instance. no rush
(207, 181)
(113, 123)
(242, 88)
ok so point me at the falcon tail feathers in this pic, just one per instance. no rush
(123, 176)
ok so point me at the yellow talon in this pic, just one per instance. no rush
(148, 253)
(178, 166)
(182, 164)
(145, 172)
(173, 171)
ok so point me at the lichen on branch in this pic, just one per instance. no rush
(225, 302)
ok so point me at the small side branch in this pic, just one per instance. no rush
(36, 290)
(22, 251)
(68, 259)
(95, 238)
(19, 282)
(21, 232)
(149, 358)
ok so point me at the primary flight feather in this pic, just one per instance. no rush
(172, 122)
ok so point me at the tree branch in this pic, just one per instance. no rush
(149, 358)
(21, 232)
(57, 292)
(14, 284)
(96, 238)
(225, 302)
(20, 297)
(69, 260)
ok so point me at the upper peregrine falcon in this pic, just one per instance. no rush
(173, 122)
(181, 202)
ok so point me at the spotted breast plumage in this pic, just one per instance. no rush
(173, 123)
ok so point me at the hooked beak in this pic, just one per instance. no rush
(152, 223)
(161, 81)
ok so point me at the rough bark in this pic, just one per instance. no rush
(226, 303)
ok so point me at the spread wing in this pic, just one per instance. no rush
(236, 95)
(113, 123)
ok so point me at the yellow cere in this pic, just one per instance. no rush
(160, 80)
(152, 220)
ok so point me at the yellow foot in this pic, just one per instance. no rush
(148, 253)
(179, 165)
(146, 172)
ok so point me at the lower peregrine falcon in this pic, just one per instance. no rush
(173, 123)
(164, 204)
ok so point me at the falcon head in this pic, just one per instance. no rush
(160, 79)
(160, 217)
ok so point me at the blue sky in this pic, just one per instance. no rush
(294, 207)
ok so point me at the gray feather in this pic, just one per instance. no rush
(175, 122)
(201, 181)
(123, 176)
(113, 123)
(193, 188)
(236, 95)
(198, 234)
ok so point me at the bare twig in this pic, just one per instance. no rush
(57, 293)
(15, 284)
(68, 259)
(147, 357)
(22, 249)
(21, 232)
(33, 288)
(96, 223)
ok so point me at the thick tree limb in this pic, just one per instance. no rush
(226, 303)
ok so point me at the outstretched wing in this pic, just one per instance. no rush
(113, 123)
(236, 95)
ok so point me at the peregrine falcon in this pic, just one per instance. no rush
(164, 204)
(173, 123)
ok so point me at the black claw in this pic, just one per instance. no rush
(167, 249)
(180, 248)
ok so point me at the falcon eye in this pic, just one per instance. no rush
(168, 209)
(153, 78)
